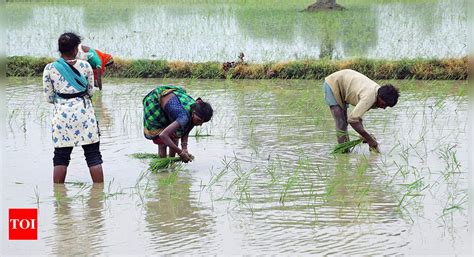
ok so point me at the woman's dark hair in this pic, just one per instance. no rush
(67, 42)
(389, 94)
(203, 110)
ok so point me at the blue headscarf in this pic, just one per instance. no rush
(77, 80)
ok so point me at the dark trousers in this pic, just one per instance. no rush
(62, 155)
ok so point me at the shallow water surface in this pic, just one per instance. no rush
(263, 181)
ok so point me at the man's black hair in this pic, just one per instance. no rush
(389, 94)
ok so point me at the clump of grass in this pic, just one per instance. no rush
(364, 66)
(119, 69)
(180, 69)
(320, 69)
(207, 70)
(346, 146)
(293, 70)
(26, 66)
(148, 69)
(275, 69)
(245, 71)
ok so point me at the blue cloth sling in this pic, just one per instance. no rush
(75, 79)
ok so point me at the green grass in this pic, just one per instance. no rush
(426, 69)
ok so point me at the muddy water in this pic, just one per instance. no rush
(264, 31)
(263, 181)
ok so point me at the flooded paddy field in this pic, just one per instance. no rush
(218, 30)
(264, 180)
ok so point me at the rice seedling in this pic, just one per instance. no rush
(287, 186)
(271, 170)
(242, 186)
(218, 176)
(144, 155)
(137, 188)
(82, 187)
(455, 206)
(157, 164)
(199, 132)
(346, 146)
(414, 189)
(448, 154)
(109, 192)
(140, 178)
(394, 146)
(37, 195)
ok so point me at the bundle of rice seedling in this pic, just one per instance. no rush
(161, 163)
(158, 163)
(145, 155)
(347, 146)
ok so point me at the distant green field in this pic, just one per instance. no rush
(264, 30)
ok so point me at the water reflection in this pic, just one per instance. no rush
(382, 29)
(357, 193)
(355, 30)
(104, 117)
(79, 219)
(173, 215)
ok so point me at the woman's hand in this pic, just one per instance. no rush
(190, 155)
(185, 156)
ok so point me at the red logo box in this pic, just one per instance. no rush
(23, 224)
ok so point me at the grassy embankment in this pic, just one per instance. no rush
(426, 69)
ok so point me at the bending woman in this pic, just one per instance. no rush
(68, 84)
(97, 59)
(169, 114)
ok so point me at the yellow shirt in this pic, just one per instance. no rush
(352, 87)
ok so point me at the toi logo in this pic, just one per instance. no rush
(23, 224)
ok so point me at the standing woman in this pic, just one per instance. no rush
(169, 114)
(68, 84)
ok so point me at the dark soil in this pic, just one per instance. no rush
(322, 6)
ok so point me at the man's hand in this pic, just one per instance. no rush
(372, 142)
(374, 149)
(368, 138)
(374, 146)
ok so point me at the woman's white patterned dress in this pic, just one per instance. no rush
(74, 121)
